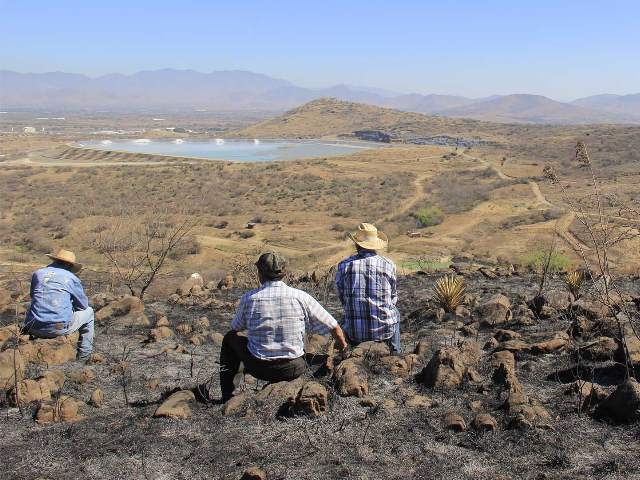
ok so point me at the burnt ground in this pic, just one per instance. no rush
(124, 440)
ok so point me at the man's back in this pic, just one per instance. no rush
(55, 294)
(366, 284)
(275, 317)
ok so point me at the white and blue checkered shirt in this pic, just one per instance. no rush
(275, 316)
(366, 284)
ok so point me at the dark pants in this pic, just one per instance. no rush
(235, 350)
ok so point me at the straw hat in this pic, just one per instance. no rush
(369, 237)
(66, 256)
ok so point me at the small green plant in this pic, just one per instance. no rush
(574, 282)
(429, 216)
(552, 261)
(448, 292)
(424, 265)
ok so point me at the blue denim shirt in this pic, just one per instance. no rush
(55, 294)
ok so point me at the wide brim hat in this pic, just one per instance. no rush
(66, 256)
(369, 237)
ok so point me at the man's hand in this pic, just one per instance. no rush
(341, 342)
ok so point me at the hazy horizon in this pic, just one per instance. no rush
(562, 51)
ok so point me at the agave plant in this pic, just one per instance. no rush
(448, 292)
(574, 282)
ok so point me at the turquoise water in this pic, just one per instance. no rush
(234, 150)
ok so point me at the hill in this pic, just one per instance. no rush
(617, 104)
(332, 117)
(522, 108)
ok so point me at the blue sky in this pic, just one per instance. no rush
(562, 49)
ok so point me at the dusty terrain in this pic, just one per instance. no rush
(488, 187)
(512, 402)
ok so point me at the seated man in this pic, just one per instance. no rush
(366, 285)
(274, 316)
(58, 303)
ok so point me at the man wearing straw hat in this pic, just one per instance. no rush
(58, 303)
(274, 316)
(366, 284)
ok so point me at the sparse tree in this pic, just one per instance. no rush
(137, 250)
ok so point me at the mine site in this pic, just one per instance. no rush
(210, 272)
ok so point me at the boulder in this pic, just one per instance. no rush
(503, 357)
(28, 391)
(127, 311)
(445, 369)
(97, 398)
(495, 311)
(485, 422)
(470, 330)
(601, 349)
(506, 335)
(50, 351)
(64, 409)
(470, 351)
(177, 405)
(227, 282)
(590, 394)
(235, 405)
(590, 308)
(202, 323)
(254, 473)
(396, 366)
(370, 350)
(5, 298)
(422, 349)
(160, 333)
(11, 331)
(101, 300)
(558, 299)
(453, 421)
(350, 379)
(419, 401)
(558, 342)
(623, 405)
(81, 376)
(216, 338)
(194, 280)
(312, 400)
(163, 322)
(11, 368)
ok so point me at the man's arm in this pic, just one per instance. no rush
(239, 321)
(338, 336)
(34, 281)
(320, 321)
(78, 298)
(340, 283)
(393, 282)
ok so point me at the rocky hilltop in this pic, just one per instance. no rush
(510, 384)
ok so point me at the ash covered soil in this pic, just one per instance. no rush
(493, 391)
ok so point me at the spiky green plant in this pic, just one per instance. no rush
(574, 282)
(448, 292)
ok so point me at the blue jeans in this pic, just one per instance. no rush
(81, 321)
(394, 341)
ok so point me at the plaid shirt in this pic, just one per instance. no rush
(366, 284)
(275, 316)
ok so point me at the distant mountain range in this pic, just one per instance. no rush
(241, 91)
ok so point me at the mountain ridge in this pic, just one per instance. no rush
(241, 90)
